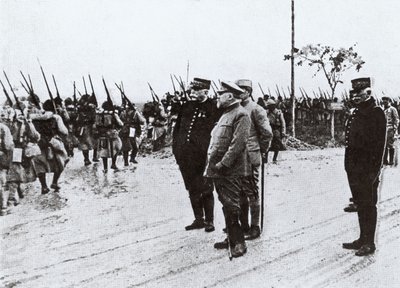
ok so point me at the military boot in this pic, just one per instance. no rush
(236, 236)
(197, 224)
(355, 245)
(208, 204)
(222, 245)
(244, 214)
(253, 233)
(365, 250)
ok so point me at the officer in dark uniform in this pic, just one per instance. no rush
(191, 137)
(365, 144)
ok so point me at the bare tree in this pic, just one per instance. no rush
(331, 61)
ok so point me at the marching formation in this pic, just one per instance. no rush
(219, 142)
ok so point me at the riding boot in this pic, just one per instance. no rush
(197, 208)
(235, 234)
(208, 205)
(244, 213)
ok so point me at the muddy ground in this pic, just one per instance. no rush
(126, 229)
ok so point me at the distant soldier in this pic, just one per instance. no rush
(228, 163)
(392, 119)
(278, 125)
(257, 145)
(25, 138)
(71, 141)
(53, 155)
(109, 144)
(6, 147)
(191, 136)
(365, 144)
(130, 133)
(84, 129)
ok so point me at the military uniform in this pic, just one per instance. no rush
(257, 144)
(228, 162)
(21, 169)
(84, 128)
(278, 126)
(392, 119)
(191, 137)
(53, 155)
(365, 143)
(6, 147)
(130, 133)
(109, 144)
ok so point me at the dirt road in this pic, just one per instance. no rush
(126, 229)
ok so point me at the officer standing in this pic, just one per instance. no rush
(365, 144)
(228, 162)
(392, 119)
(191, 136)
(257, 144)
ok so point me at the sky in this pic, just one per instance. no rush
(140, 41)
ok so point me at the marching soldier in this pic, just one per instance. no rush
(257, 145)
(6, 147)
(130, 133)
(392, 119)
(53, 157)
(109, 144)
(228, 162)
(21, 169)
(365, 144)
(191, 136)
(84, 129)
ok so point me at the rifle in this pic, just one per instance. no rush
(15, 96)
(84, 84)
(48, 89)
(277, 91)
(108, 94)
(269, 93)
(182, 87)
(153, 94)
(26, 82)
(23, 86)
(130, 104)
(123, 101)
(30, 82)
(173, 83)
(91, 85)
(55, 84)
(75, 101)
(5, 92)
(262, 91)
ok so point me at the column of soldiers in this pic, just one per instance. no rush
(31, 147)
(39, 138)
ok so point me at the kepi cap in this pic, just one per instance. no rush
(244, 83)
(200, 84)
(359, 84)
(230, 87)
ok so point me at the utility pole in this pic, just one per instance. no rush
(292, 96)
